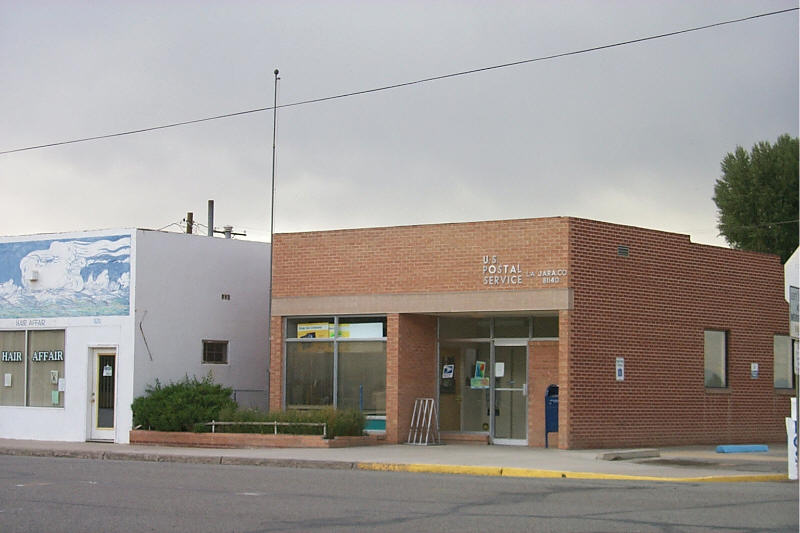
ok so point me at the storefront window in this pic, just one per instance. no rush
(32, 373)
(328, 363)
(361, 328)
(545, 327)
(362, 376)
(309, 374)
(512, 327)
(516, 327)
(310, 328)
(12, 367)
(465, 328)
(45, 368)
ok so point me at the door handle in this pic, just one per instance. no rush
(524, 389)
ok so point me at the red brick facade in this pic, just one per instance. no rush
(412, 259)
(651, 308)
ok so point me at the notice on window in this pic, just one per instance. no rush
(479, 383)
(108, 371)
(315, 330)
(480, 369)
(361, 330)
(447, 371)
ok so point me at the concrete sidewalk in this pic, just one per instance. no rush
(679, 464)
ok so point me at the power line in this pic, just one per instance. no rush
(179, 224)
(405, 84)
(765, 224)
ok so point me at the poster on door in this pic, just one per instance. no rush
(480, 380)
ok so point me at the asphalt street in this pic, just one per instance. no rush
(58, 494)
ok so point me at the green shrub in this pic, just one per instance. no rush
(350, 422)
(179, 406)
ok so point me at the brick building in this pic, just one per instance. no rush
(648, 338)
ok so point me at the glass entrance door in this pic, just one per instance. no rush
(510, 394)
(103, 399)
(464, 392)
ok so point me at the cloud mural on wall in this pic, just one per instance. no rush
(65, 277)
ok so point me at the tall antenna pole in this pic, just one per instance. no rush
(271, 231)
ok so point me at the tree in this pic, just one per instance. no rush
(757, 197)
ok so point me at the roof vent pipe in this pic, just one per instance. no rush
(211, 218)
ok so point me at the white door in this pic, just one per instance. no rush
(103, 396)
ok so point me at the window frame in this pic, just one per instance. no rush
(337, 337)
(207, 343)
(789, 363)
(725, 359)
(33, 378)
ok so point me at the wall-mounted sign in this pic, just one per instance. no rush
(754, 370)
(620, 370)
(11, 357)
(48, 355)
(496, 272)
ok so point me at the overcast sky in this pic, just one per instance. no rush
(632, 135)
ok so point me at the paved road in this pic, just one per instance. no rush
(76, 495)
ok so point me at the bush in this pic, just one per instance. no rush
(179, 406)
(349, 422)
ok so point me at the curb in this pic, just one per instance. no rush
(463, 470)
(623, 455)
(551, 474)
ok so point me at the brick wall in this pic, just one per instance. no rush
(414, 259)
(410, 371)
(276, 364)
(652, 308)
(542, 372)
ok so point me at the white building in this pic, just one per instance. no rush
(88, 320)
(791, 272)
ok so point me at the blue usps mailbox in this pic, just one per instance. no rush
(550, 412)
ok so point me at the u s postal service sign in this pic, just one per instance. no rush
(498, 273)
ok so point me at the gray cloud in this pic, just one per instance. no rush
(631, 135)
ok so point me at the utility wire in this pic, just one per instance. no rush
(178, 224)
(764, 225)
(408, 83)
